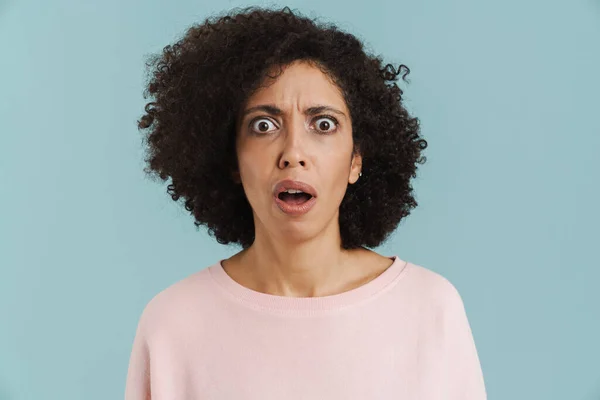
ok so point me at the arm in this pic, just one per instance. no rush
(463, 370)
(137, 386)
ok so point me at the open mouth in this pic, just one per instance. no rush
(294, 198)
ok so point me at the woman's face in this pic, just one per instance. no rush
(292, 143)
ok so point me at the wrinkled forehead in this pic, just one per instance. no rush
(301, 84)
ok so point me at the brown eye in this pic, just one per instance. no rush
(324, 124)
(261, 125)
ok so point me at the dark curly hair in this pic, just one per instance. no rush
(199, 84)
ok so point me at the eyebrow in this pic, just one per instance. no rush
(273, 110)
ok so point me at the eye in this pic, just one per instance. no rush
(325, 123)
(261, 125)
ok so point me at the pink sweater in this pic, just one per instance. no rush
(403, 335)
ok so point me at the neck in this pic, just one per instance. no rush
(311, 269)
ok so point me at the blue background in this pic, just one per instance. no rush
(508, 97)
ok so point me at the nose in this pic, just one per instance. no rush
(293, 153)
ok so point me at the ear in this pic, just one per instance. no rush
(356, 167)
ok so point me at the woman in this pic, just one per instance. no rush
(285, 137)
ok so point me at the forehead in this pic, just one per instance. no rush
(299, 83)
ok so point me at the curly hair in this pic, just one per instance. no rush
(198, 84)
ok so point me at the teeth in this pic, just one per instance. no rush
(293, 191)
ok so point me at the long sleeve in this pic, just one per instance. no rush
(464, 374)
(137, 385)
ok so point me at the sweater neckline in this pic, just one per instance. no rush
(265, 301)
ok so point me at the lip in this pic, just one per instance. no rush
(292, 184)
(294, 209)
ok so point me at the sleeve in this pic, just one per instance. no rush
(463, 369)
(137, 386)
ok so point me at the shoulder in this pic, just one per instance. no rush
(176, 303)
(432, 288)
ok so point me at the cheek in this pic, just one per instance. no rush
(247, 162)
(338, 165)
(254, 175)
(253, 170)
(336, 171)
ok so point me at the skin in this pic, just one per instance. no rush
(299, 256)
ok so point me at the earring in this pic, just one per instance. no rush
(359, 174)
